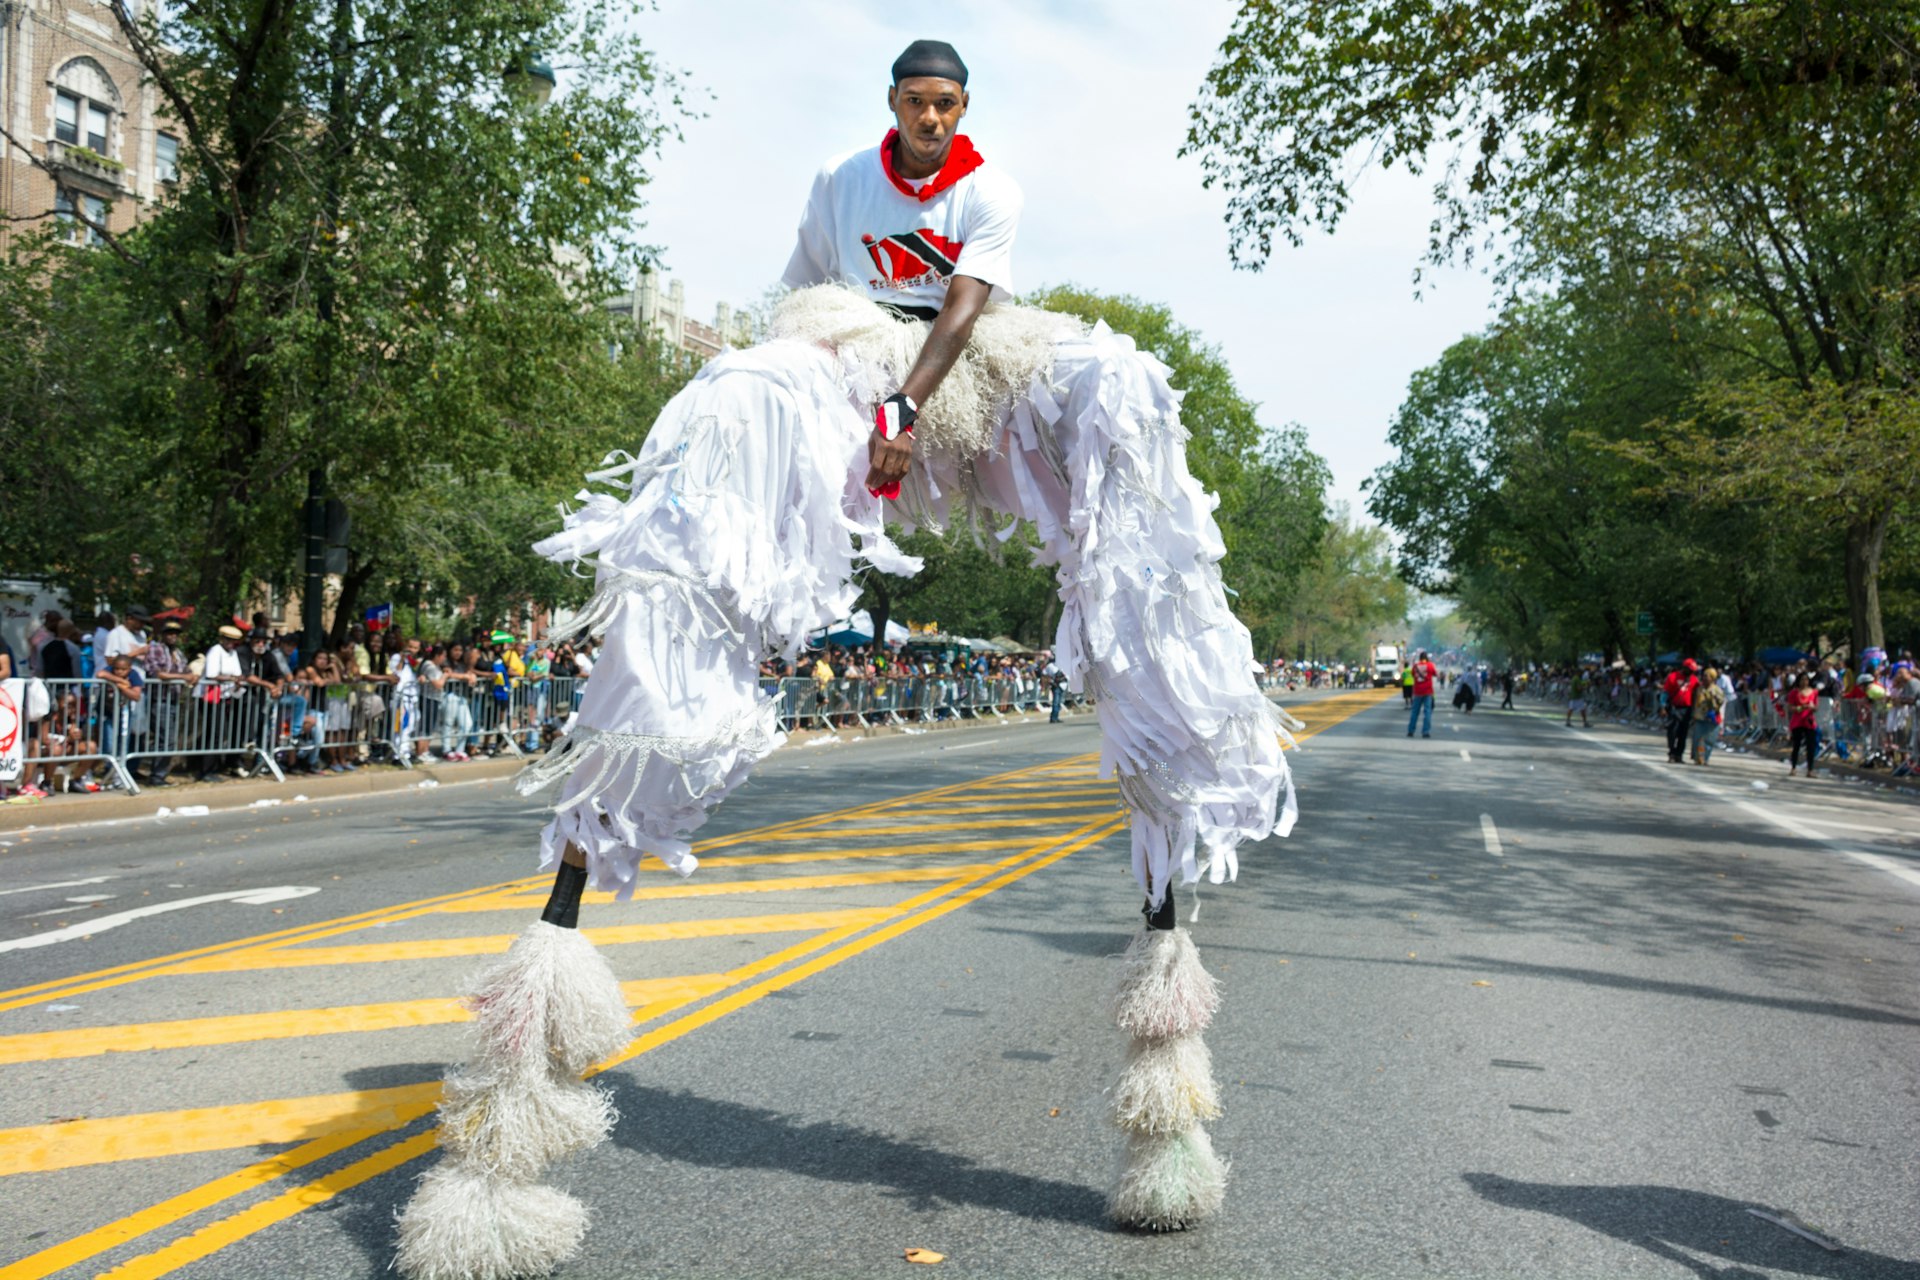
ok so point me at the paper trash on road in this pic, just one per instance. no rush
(925, 1255)
(263, 804)
(426, 785)
(1759, 785)
(184, 811)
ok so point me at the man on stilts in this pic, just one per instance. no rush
(900, 380)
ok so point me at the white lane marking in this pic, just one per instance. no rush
(67, 910)
(1465, 756)
(1855, 826)
(1491, 834)
(58, 884)
(1805, 832)
(250, 897)
(968, 746)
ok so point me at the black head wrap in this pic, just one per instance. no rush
(930, 58)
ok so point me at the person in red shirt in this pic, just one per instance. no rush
(1681, 684)
(1803, 723)
(1423, 674)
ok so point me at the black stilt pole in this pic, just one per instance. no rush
(1166, 918)
(563, 905)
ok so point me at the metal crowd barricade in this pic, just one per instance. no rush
(170, 721)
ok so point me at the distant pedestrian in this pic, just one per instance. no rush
(1056, 681)
(1577, 690)
(1681, 685)
(1465, 696)
(1709, 705)
(1506, 690)
(1803, 724)
(1406, 685)
(1420, 695)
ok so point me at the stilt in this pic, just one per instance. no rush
(1171, 1179)
(542, 1016)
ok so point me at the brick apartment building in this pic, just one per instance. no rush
(72, 94)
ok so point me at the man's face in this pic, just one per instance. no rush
(413, 648)
(927, 111)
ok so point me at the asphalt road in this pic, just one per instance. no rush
(1513, 1001)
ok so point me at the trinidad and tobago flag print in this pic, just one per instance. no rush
(912, 257)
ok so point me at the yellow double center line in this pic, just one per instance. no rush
(332, 1123)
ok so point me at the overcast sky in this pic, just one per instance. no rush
(1085, 104)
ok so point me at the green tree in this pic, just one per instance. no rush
(1763, 153)
(376, 261)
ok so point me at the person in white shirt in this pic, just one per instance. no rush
(898, 381)
(221, 677)
(130, 638)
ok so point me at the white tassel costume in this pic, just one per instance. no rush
(736, 532)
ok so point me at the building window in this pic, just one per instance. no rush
(80, 122)
(66, 117)
(93, 208)
(166, 158)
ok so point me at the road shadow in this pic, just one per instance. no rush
(1712, 1236)
(685, 1128)
(1075, 942)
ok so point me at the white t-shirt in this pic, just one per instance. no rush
(220, 661)
(862, 230)
(122, 640)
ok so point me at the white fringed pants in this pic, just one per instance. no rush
(745, 517)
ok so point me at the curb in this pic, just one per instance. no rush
(68, 810)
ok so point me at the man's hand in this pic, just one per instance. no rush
(889, 451)
(887, 462)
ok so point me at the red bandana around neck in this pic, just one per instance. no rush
(962, 160)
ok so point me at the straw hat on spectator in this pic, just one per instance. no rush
(230, 632)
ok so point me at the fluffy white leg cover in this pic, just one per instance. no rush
(1167, 1087)
(553, 996)
(1166, 999)
(544, 1014)
(1164, 989)
(465, 1225)
(1171, 1182)
(513, 1124)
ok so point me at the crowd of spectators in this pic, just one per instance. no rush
(1861, 711)
(131, 686)
(856, 674)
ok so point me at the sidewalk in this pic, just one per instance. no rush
(370, 779)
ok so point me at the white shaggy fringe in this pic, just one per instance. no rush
(553, 998)
(513, 1124)
(463, 1225)
(1167, 1087)
(1009, 348)
(1164, 989)
(1171, 1182)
